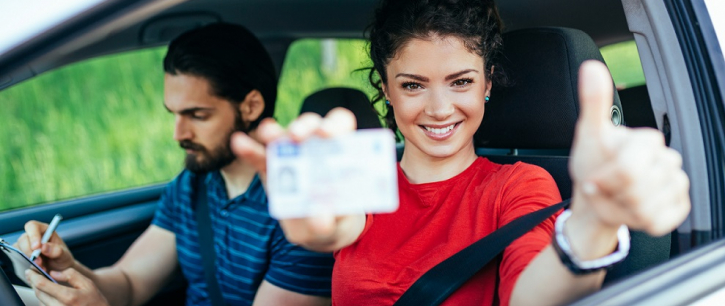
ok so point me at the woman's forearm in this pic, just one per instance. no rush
(590, 239)
(325, 236)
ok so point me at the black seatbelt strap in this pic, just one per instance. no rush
(206, 242)
(436, 285)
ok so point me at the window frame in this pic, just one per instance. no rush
(97, 200)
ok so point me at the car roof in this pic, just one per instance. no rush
(604, 20)
(278, 22)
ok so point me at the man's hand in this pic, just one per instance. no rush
(54, 254)
(622, 175)
(324, 232)
(80, 292)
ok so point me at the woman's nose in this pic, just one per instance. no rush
(439, 107)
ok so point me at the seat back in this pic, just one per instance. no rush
(539, 109)
(637, 107)
(533, 119)
(323, 101)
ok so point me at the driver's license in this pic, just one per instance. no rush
(349, 174)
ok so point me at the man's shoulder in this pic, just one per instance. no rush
(256, 191)
(183, 182)
(180, 189)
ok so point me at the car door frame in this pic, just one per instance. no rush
(700, 272)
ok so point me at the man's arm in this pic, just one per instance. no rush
(144, 269)
(269, 294)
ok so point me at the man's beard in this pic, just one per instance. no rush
(205, 160)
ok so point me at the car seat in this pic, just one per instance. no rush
(532, 120)
(321, 102)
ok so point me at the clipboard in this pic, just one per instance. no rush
(21, 262)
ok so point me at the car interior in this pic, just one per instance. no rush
(323, 101)
(532, 120)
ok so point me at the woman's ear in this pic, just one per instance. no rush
(385, 91)
(252, 107)
(384, 87)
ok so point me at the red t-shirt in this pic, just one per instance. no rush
(436, 220)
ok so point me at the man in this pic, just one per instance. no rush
(219, 80)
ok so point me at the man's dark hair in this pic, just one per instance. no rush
(475, 22)
(231, 58)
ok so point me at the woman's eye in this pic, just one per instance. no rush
(411, 86)
(462, 82)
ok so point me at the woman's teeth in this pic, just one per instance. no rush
(440, 130)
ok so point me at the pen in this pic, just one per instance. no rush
(48, 233)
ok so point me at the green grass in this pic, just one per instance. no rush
(87, 128)
(624, 64)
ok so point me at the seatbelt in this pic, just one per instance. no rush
(436, 285)
(206, 242)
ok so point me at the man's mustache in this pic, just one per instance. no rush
(187, 144)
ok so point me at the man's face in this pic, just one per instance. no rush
(204, 122)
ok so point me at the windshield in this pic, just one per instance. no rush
(22, 20)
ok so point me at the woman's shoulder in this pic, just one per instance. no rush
(515, 170)
(519, 178)
(523, 188)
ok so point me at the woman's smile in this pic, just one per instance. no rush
(440, 131)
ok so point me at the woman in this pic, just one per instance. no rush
(436, 63)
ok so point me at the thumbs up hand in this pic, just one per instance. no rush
(622, 175)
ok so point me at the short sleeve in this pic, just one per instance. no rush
(297, 269)
(167, 211)
(528, 189)
(368, 224)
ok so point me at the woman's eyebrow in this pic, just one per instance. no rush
(460, 73)
(412, 76)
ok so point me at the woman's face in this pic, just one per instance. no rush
(437, 89)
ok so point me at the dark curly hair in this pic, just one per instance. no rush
(476, 22)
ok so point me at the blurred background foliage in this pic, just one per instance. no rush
(100, 125)
(624, 64)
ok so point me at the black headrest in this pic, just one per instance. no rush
(356, 101)
(540, 107)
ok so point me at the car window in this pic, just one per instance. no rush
(314, 64)
(87, 128)
(624, 64)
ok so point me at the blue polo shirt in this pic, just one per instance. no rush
(250, 246)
